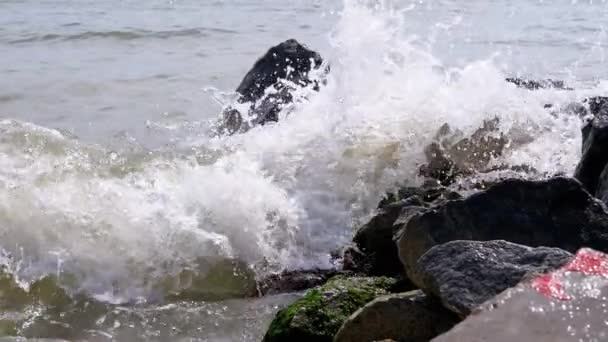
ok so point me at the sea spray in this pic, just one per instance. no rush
(280, 196)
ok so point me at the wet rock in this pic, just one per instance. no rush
(595, 144)
(535, 85)
(318, 315)
(404, 317)
(452, 155)
(598, 105)
(576, 109)
(293, 281)
(556, 212)
(465, 274)
(268, 86)
(566, 305)
(376, 239)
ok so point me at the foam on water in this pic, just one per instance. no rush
(280, 196)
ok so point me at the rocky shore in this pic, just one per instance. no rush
(449, 260)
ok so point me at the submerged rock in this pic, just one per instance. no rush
(376, 239)
(404, 317)
(556, 212)
(268, 86)
(566, 305)
(318, 315)
(465, 274)
(212, 280)
(42, 309)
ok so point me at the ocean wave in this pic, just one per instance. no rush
(131, 34)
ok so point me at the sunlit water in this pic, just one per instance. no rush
(111, 183)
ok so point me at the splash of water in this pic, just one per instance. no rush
(281, 196)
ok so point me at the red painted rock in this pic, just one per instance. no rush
(570, 304)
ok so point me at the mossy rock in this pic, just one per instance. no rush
(318, 315)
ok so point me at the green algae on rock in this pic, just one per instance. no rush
(318, 315)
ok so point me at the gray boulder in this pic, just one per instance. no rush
(566, 305)
(465, 274)
(556, 212)
(404, 317)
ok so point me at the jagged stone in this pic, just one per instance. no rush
(465, 274)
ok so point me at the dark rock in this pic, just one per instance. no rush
(566, 305)
(465, 274)
(280, 69)
(535, 85)
(376, 239)
(404, 317)
(595, 145)
(556, 212)
(319, 314)
(594, 158)
(293, 281)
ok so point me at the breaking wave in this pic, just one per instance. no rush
(114, 224)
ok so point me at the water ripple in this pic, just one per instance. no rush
(122, 35)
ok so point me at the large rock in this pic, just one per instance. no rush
(404, 317)
(376, 238)
(465, 274)
(556, 212)
(267, 88)
(566, 305)
(318, 315)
